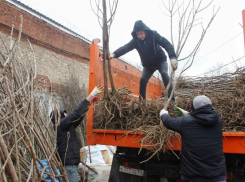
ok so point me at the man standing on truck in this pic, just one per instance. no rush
(202, 157)
(148, 43)
(68, 142)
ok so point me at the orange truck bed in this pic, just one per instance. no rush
(126, 75)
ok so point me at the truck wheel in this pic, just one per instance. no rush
(114, 173)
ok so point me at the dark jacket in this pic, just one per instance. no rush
(202, 144)
(66, 132)
(151, 54)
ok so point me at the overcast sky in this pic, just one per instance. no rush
(223, 42)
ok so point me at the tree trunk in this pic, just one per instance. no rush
(106, 52)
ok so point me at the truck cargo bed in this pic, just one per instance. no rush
(127, 75)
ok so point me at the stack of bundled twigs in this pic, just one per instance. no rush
(227, 93)
(121, 111)
(26, 138)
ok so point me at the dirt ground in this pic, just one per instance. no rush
(103, 173)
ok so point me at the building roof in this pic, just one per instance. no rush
(47, 19)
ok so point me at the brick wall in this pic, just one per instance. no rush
(55, 49)
(42, 31)
(57, 52)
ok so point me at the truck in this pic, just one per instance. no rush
(126, 165)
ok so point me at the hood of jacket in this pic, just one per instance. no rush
(139, 26)
(54, 114)
(205, 115)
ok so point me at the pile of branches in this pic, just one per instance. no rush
(227, 93)
(26, 137)
(122, 111)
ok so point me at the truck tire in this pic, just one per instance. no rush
(114, 173)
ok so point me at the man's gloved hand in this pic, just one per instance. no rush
(163, 111)
(174, 63)
(101, 56)
(97, 90)
(180, 112)
(111, 56)
(94, 99)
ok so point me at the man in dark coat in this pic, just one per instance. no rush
(68, 142)
(202, 158)
(148, 43)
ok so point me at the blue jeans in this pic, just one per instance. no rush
(71, 171)
(148, 72)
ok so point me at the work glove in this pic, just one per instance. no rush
(101, 56)
(97, 90)
(174, 63)
(94, 99)
(180, 112)
(163, 111)
(111, 56)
